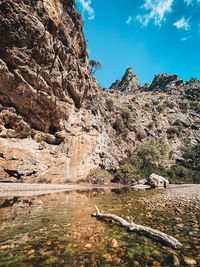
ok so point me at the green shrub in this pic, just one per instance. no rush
(181, 174)
(122, 124)
(152, 152)
(150, 125)
(169, 104)
(126, 117)
(174, 131)
(140, 135)
(119, 126)
(126, 174)
(192, 156)
(110, 104)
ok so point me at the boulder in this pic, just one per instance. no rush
(142, 182)
(155, 180)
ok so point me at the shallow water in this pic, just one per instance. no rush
(58, 230)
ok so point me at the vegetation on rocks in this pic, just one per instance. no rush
(151, 157)
(145, 160)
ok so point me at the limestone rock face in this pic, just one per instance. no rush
(129, 82)
(42, 58)
(48, 130)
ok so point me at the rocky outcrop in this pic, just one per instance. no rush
(166, 82)
(129, 82)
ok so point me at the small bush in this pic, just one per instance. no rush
(140, 135)
(153, 152)
(126, 117)
(192, 156)
(119, 126)
(160, 108)
(122, 124)
(98, 176)
(181, 174)
(174, 131)
(169, 104)
(110, 104)
(126, 174)
(150, 125)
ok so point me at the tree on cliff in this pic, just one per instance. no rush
(94, 66)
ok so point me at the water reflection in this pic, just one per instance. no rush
(58, 230)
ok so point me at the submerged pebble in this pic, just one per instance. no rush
(189, 260)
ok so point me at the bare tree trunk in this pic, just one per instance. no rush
(144, 230)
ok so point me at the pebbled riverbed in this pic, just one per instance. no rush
(57, 229)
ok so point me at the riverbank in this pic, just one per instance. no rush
(177, 198)
(26, 189)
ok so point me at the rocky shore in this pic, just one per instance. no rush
(178, 198)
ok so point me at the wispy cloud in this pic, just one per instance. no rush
(156, 11)
(129, 20)
(186, 38)
(86, 6)
(182, 24)
(191, 2)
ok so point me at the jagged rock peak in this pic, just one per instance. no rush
(165, 82)
(129, 82)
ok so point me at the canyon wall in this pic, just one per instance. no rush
(48, 130)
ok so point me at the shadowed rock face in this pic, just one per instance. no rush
(43, 64)
(129, 82)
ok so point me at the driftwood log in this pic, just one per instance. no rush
(140, 229)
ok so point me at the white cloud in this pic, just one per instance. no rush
(129, 20)
(156, 11)
(182, 24)
(86, 6)
(191, 2)
(184, 39)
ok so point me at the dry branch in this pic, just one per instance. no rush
(144, 230)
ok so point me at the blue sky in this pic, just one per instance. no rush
(151, 36)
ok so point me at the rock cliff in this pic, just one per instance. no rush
(48, 130)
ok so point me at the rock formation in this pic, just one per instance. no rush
(165, 82)
(129, 82)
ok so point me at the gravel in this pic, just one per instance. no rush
(177, 196)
